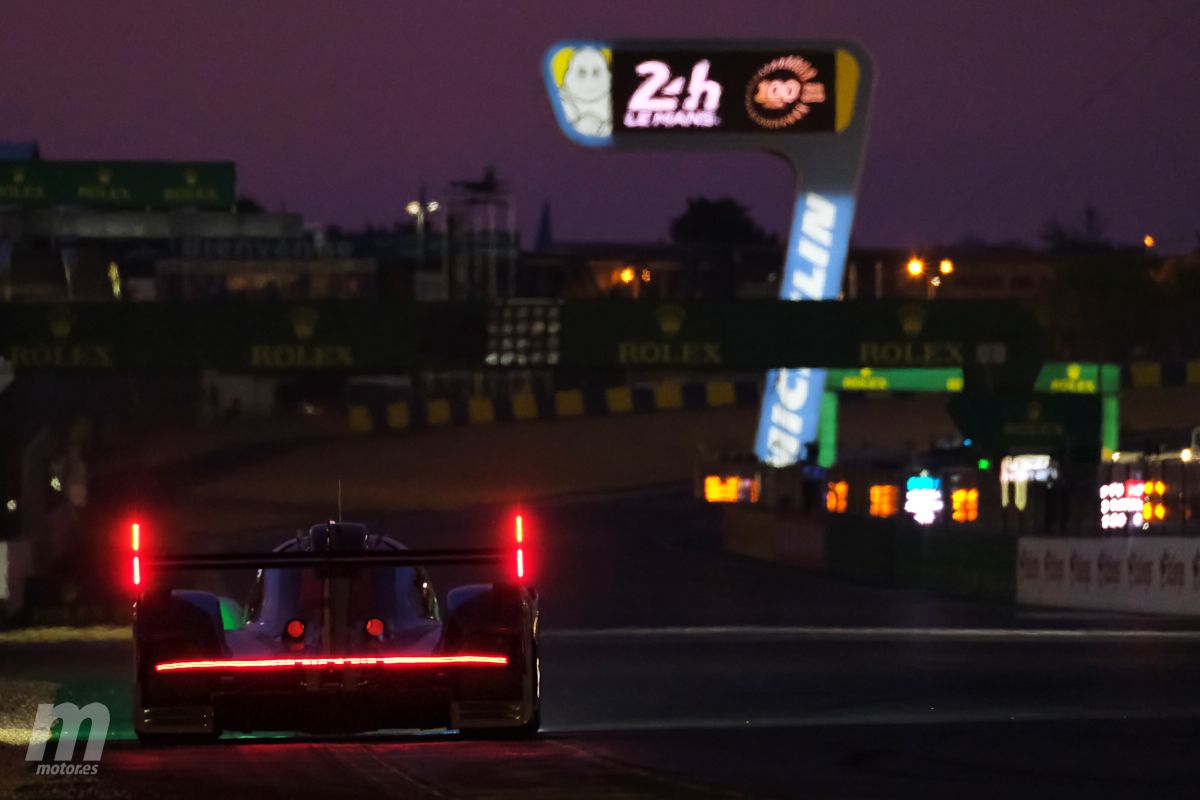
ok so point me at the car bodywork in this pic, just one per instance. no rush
(343, 632)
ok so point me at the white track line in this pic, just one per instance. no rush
(897, 716)
(812, 633)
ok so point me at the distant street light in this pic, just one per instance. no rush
(946, 266)
(418, 209)
(915, 267)
(627, 275)
(1148, 240)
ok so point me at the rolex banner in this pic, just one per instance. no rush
(118, 184)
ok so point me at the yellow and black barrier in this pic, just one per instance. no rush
(378, 412)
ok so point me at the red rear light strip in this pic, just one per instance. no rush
(331, 662)
(136, 544)
(520, 531)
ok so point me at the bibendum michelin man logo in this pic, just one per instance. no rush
(582, 77)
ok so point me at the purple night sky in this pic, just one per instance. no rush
(988, 116)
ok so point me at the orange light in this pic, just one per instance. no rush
(964, 504)
(627, 275)
(915, 267)
(836, 497)
(732, 489)
(295, 629)
(137, 570)
(645, 276)
(333, 662)
(137, 536)
(884, 500)
(520, 563)
(1160, 512)
(1148, 240)
(520, 529)
(1159, 487)
(945, 266)
(374, 627)
(718, 489)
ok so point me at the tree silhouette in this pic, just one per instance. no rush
(720, 221)
(248, 205)
(1090, 238)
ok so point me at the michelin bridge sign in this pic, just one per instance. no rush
(804, 100)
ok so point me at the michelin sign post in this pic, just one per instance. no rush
(804, 100)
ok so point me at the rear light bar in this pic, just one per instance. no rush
(331, 662)
(136, 546)
(520, 535)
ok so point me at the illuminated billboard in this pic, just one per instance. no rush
(618, 93)
(804, 100)
(782, 92)
(732, 488)
(1136, 504)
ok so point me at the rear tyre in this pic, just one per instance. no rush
(530, 728)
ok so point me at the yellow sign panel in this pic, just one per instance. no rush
(731, 489)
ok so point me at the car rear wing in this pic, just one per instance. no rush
(396, 558)
(144, 562)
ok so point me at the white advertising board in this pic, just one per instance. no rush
(1159, 574)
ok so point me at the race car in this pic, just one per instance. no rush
(342, 633)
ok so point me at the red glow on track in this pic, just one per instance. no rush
(137, 570)
(520, 563)
(520, 529)
(136, 529)
(331, 662)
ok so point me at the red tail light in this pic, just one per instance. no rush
(374, 627)
(135, 535)
(519, 527)
(294, 629)
(336, 662)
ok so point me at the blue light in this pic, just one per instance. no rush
(968, 442)
(917, 482)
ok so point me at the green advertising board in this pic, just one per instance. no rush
(326, 336)
(118, 184)
(1021, 420)
(588, 335)
(1056, 377)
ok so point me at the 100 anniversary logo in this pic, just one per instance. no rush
(783, 92)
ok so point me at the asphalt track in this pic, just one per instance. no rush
(673, 670)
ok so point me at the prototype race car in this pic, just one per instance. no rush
(342, 633)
